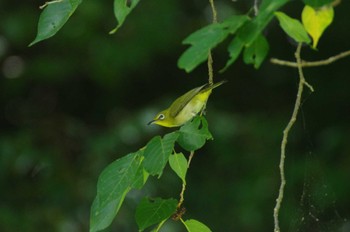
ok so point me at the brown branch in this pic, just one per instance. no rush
(306, 64)
(210, 58)
(286, 131)
(181, 200)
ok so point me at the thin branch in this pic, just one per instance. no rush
(210, 69)
(48, 3)
(213, 10)
(286, 131)
(210, 58)
(256, 7)
(181, 200)
(306, 64)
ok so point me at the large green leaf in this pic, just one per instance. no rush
(196, 226)
(293, 28)
(53, 17)
(194, 134)
(113, 184)
(207, 38)
(122, 9)
(157, 153)
(153, 211)
(256, 52)
(178, 163)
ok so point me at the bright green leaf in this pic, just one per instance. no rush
(113, 184)
(153, 211)
(293, 28)
(53, 17)
(207, 38)
(316, 21)
(178, 163)
(256, 52)
(194, 134)
(196, 226)
(317, 3)
(157, 153)
(122, 9)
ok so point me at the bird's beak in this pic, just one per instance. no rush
(151, 122)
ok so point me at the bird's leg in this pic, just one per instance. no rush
(203, 111)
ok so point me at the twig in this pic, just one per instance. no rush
(256, 7)
(286, 131)
(181, 200)
(210, 58)
(213, 10)
(306, 64)
(48, 3)
(210, 69)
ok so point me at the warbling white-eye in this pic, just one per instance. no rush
(185, 107)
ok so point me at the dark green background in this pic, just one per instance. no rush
(74, 103)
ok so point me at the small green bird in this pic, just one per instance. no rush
(185, 107)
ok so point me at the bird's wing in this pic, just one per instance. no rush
(182, 101)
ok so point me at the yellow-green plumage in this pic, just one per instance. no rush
(185, 107)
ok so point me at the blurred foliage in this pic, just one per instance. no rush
(78, 101)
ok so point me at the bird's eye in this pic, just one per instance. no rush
(161, 117)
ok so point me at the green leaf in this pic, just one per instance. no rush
(293, 28)
(53, 17)
(234, 49)
(202, 42)
(153, 211)
(113, 184)
(207, 38)
(316, 21)
(256, 52)
(194, 134)
(157, 153)
(196, 226)
(122, 8)
(252, 29)
(178, 163)
(317, 3)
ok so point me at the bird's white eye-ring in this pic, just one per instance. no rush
(161, 117)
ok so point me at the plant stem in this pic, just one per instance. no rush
(210, 58)
(48, 3)
(286, 131)
(306, 64)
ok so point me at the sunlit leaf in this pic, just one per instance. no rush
(293, 28)
(256, 52)
(178, 163)
(53, 17)
(194, 134)
(122, 9)
(316, 21)
(153, 211)
(157, 153)
(196, 226)
(113, 184)
(207, 38)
